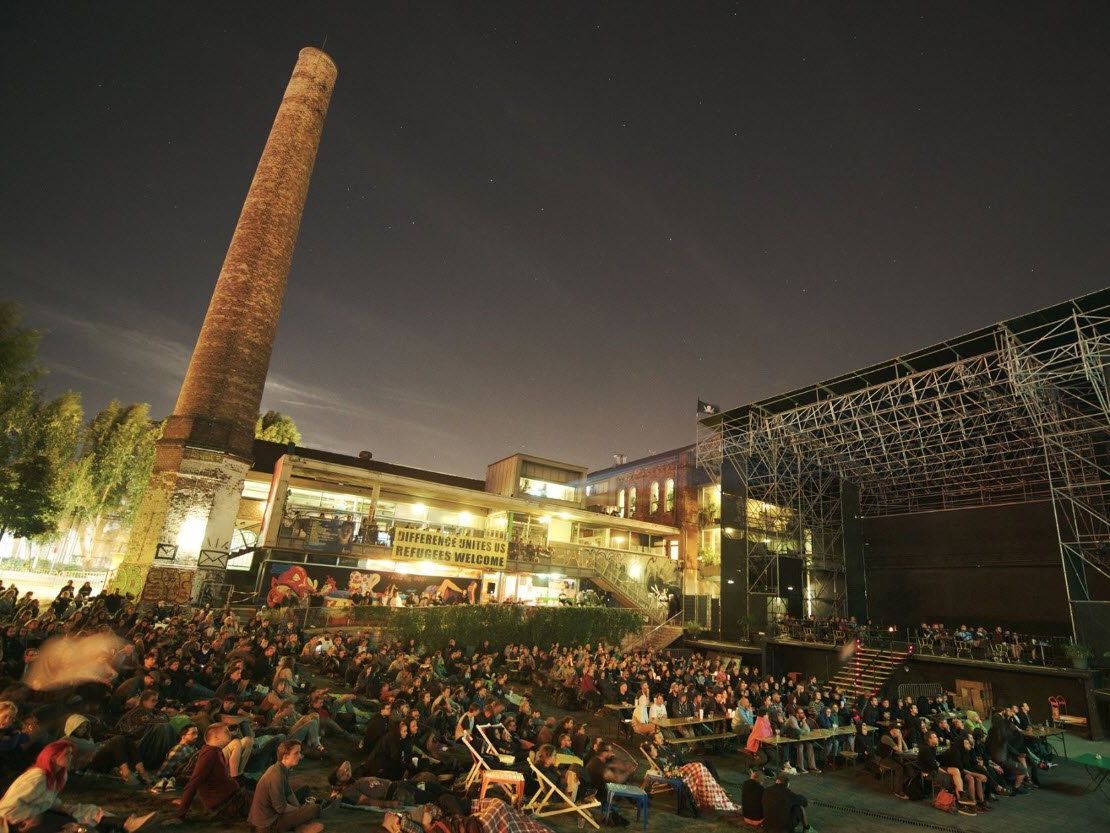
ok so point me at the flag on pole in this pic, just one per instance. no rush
(707, 408)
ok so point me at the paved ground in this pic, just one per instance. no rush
(846, 800)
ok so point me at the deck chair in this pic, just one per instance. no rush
(548, 798)
(654, 769)
(478, 766)
(488, 747)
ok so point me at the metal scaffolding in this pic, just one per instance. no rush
(1012, 413)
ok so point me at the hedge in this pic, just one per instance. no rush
(501, 624)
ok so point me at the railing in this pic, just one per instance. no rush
(602, 563)
(645, 639)
(1047, 651)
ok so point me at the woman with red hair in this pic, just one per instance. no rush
(34, 798)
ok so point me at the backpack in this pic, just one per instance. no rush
(915, 787)
(945, 801)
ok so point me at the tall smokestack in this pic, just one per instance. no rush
(193, 495)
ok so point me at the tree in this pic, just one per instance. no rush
(277, 427)
(27, 502)
(110, 476)
(32, 445)
(55, 433)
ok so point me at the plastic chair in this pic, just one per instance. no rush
(633, 793)
(510, 781)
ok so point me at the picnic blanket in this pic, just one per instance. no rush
(704, 788)
(496, 816)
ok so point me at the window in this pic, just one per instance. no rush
(654, 497)
(620, 502)
(668, 495)
(632, 502)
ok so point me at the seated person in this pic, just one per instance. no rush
(567, 780)
(760, 729)
(751, 798)
(210, 781)
(185, 748)
(797, 725)
(275, 807)
(118, 754)
(959, 762)
(33, 800)
(706, 791)
(887, 750)
(641, 721)
(783, 809)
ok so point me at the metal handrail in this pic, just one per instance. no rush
(646, 638)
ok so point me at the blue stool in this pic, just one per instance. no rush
(632, 793)
(655, 783)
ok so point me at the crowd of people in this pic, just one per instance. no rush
(972, 642)
(196, 706)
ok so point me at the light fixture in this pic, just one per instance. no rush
(190, 535)
(790, 587)
(732, 581)
(465, 519)
(635, 570)
(420, 509)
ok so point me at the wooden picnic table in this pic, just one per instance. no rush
(1046, 732)
(680, 722)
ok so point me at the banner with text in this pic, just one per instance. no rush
(475, 550)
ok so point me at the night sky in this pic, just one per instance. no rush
(552, 227)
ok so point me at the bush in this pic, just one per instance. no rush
(501, 624)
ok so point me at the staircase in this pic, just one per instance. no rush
(609, 574)
(867, 670)
(654, 637)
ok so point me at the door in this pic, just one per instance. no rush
(975, 696)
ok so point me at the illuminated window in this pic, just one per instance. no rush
(654, 497)
(668, 495)
(620, 502)
(632, 502)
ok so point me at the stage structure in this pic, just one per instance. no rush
(1013, 413)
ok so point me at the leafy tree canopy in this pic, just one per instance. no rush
(277, 428)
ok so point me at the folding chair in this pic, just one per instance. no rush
(654, 771)
(478, 765)
(488, 746)
(547, 798)
(482, 772)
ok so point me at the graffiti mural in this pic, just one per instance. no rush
(165, 584)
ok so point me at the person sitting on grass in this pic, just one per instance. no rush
(783, 809)
(275, 807)
(751, 798)
(210, 781)
(33, 801)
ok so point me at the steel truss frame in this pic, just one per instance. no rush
(1013, 413)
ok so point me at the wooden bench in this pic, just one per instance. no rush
(705, 738)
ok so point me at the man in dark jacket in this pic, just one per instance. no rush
(376, 727)
(275, 808)
(751, 798)
(783, 809)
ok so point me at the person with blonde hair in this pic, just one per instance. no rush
(641, 720)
